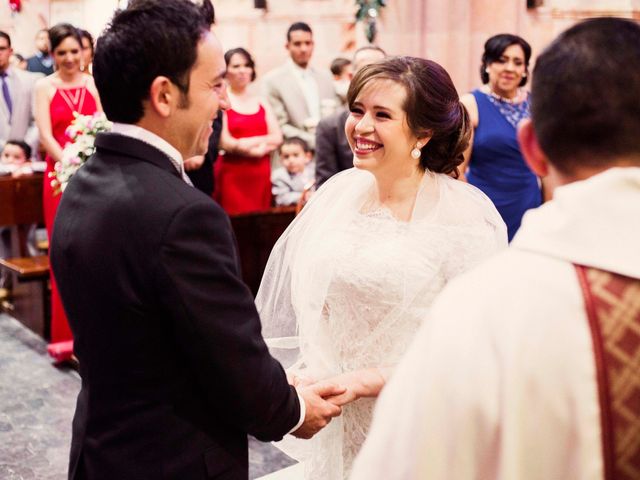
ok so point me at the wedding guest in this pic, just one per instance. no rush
(528, 366)
(300, 94)
(58, 98)
(200, 168)
(353, 277)
(250, 132)
(15, 158)
(333, 153)
(86, 63)
(41, 62)
(296, 174)
(493, 162)
(342, 73)
(18, 61)
(16, 91)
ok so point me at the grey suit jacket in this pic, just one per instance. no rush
(333, 153)
(20, 125)
(281, 88)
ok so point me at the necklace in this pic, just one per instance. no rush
(500, 98)
(513, 112)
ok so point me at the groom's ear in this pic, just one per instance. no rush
(162, 96)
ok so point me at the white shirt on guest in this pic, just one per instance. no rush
(309, 87)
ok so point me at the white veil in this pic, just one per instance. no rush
(294, 285)
(453, 226)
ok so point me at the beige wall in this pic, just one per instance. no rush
(451, 32)
(23, 26)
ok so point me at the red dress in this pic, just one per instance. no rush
(243, 184)
(63, 104)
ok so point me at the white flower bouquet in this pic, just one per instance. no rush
(82, 133)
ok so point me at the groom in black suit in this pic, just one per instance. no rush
(174, 369)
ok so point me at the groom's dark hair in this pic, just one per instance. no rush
(150, 38)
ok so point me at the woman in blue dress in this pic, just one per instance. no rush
(493, 161)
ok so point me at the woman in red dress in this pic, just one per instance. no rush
(250, 133)
(57, 97)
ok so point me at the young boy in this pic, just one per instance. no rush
(15, 158)
(297, 173)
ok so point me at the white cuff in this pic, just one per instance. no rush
(303, 412)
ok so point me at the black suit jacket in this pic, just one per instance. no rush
(174, 369)
(202, 178)
(333, 153)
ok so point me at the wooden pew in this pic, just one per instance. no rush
(30, 301)
(21, 206)
(256, 234)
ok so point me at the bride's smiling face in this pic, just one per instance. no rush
(377, 129)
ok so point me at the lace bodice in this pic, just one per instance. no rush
(374, 272)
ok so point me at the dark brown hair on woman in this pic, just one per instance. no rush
(60, 31)
(432, 106)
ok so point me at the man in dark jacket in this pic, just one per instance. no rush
(174, 369)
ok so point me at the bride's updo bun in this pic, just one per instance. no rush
(432, 106)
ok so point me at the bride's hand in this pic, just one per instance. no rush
(359, 383)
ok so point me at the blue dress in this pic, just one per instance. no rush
(496, 166)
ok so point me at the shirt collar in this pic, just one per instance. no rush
(142, 134)
(298, 69)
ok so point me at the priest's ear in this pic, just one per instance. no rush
(531, 150)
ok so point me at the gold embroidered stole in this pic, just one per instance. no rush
(613, 307)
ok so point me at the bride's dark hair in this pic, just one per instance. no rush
(432, 106)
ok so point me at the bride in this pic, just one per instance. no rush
(352, 278)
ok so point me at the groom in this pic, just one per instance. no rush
(174, 369)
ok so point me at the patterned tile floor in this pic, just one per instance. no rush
(37, 401)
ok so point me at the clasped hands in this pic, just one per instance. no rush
(325, 399)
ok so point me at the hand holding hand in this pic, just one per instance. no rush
(299, 380)
(319, 412)
(259, 150)
(360, 383)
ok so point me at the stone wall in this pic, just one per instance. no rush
(451, 32)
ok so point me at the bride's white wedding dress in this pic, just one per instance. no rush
(348, 285)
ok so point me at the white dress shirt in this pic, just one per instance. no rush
(309, 88)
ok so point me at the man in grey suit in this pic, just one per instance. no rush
(299, 94)
(16, 91)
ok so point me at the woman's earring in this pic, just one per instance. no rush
(416, 153)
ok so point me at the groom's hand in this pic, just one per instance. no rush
(319, 412)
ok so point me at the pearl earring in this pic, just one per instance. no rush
(416, 153)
